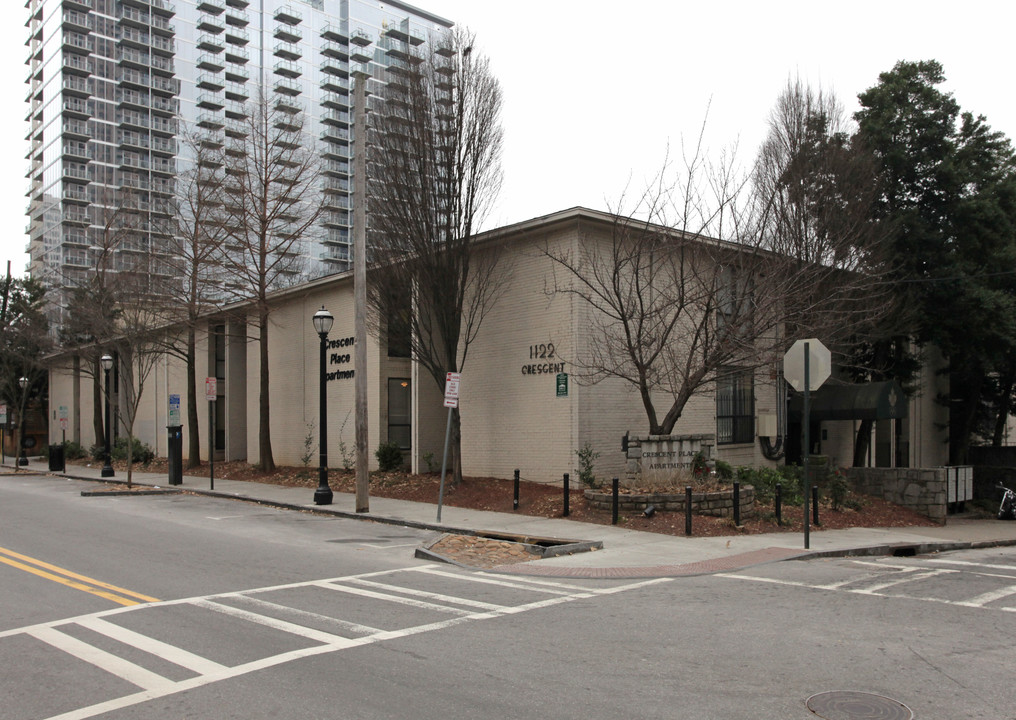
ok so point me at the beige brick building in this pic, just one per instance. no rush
(514, 412)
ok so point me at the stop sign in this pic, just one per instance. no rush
(819, 364)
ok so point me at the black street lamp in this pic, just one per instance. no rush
(107, 365)
(322, 324)
(23, 382)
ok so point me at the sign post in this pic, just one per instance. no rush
(211, 392)
(451, 401)
(63, 426)
(3, 424)
(806, 366)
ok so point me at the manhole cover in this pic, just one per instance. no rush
(847, 705)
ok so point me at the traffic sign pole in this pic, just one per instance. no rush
(807, 442)
(451, 401)
(211, 393)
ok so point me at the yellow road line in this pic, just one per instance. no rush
(95, 587)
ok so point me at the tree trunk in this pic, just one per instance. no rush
(861, 443)
(456, 448)
(97, 405)
(193, 430)
(962, 413)
(1004, 405)
(266, 461)
(130, 457)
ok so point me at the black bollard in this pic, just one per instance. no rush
(616, 490)
(566, 495)
(515, 502)
(687, 510)
(737, 504)
(814, 505)
(779, 503)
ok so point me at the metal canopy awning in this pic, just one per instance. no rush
(867, 401)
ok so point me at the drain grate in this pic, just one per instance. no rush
(849, 705)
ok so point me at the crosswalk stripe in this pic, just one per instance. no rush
(967, 563)
(431, 595)
(309, 616)
(175, 655)
(985, 598)
(336, 641)
(555, 589)
(394, 598)
(109, 662)
(873, 589)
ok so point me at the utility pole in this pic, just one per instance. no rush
(360, 286)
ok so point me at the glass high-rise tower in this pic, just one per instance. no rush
(115, 83)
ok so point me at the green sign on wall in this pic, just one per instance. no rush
(562, 384)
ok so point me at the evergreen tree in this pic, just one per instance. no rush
(949, 190)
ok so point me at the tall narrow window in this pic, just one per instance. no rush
(735, 407)
(399, 407)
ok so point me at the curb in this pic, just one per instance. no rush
(126, 493)
(907, 549)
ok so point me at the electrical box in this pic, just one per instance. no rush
(767, 424)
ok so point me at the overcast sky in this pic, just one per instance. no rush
(595, 91)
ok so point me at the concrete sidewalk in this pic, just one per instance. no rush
(625, 553)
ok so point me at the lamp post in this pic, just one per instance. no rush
(23, 382)
(107, 365)
(322, 324)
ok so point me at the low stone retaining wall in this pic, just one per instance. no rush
(923, 490)
(720, 504)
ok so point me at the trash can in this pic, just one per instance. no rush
(175, 456)
(56, 458)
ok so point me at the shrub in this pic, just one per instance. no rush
(309, 446)
(97, 452)
(587, 458)
(428, 457)
(73, 450)
(389, 456)
(724, 470)
(765, 479)
(140, 453)
(838, 488)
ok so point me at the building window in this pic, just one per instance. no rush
(399, 419)
(399, 324)
(735, 407)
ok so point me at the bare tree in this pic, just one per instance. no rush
(138, 344)
(92, 304)
(271, 199)
(435, 150)
(674, 309)
(200, 225)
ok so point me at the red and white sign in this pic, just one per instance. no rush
(211, 388)
(451, 390)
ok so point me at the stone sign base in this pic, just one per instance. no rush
(720, 503)
(655, 460)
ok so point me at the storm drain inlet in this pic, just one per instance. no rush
(849, 705)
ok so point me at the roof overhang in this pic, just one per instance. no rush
(867, 401)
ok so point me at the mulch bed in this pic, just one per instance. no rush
(546, 500)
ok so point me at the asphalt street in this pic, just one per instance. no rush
(194, 607)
